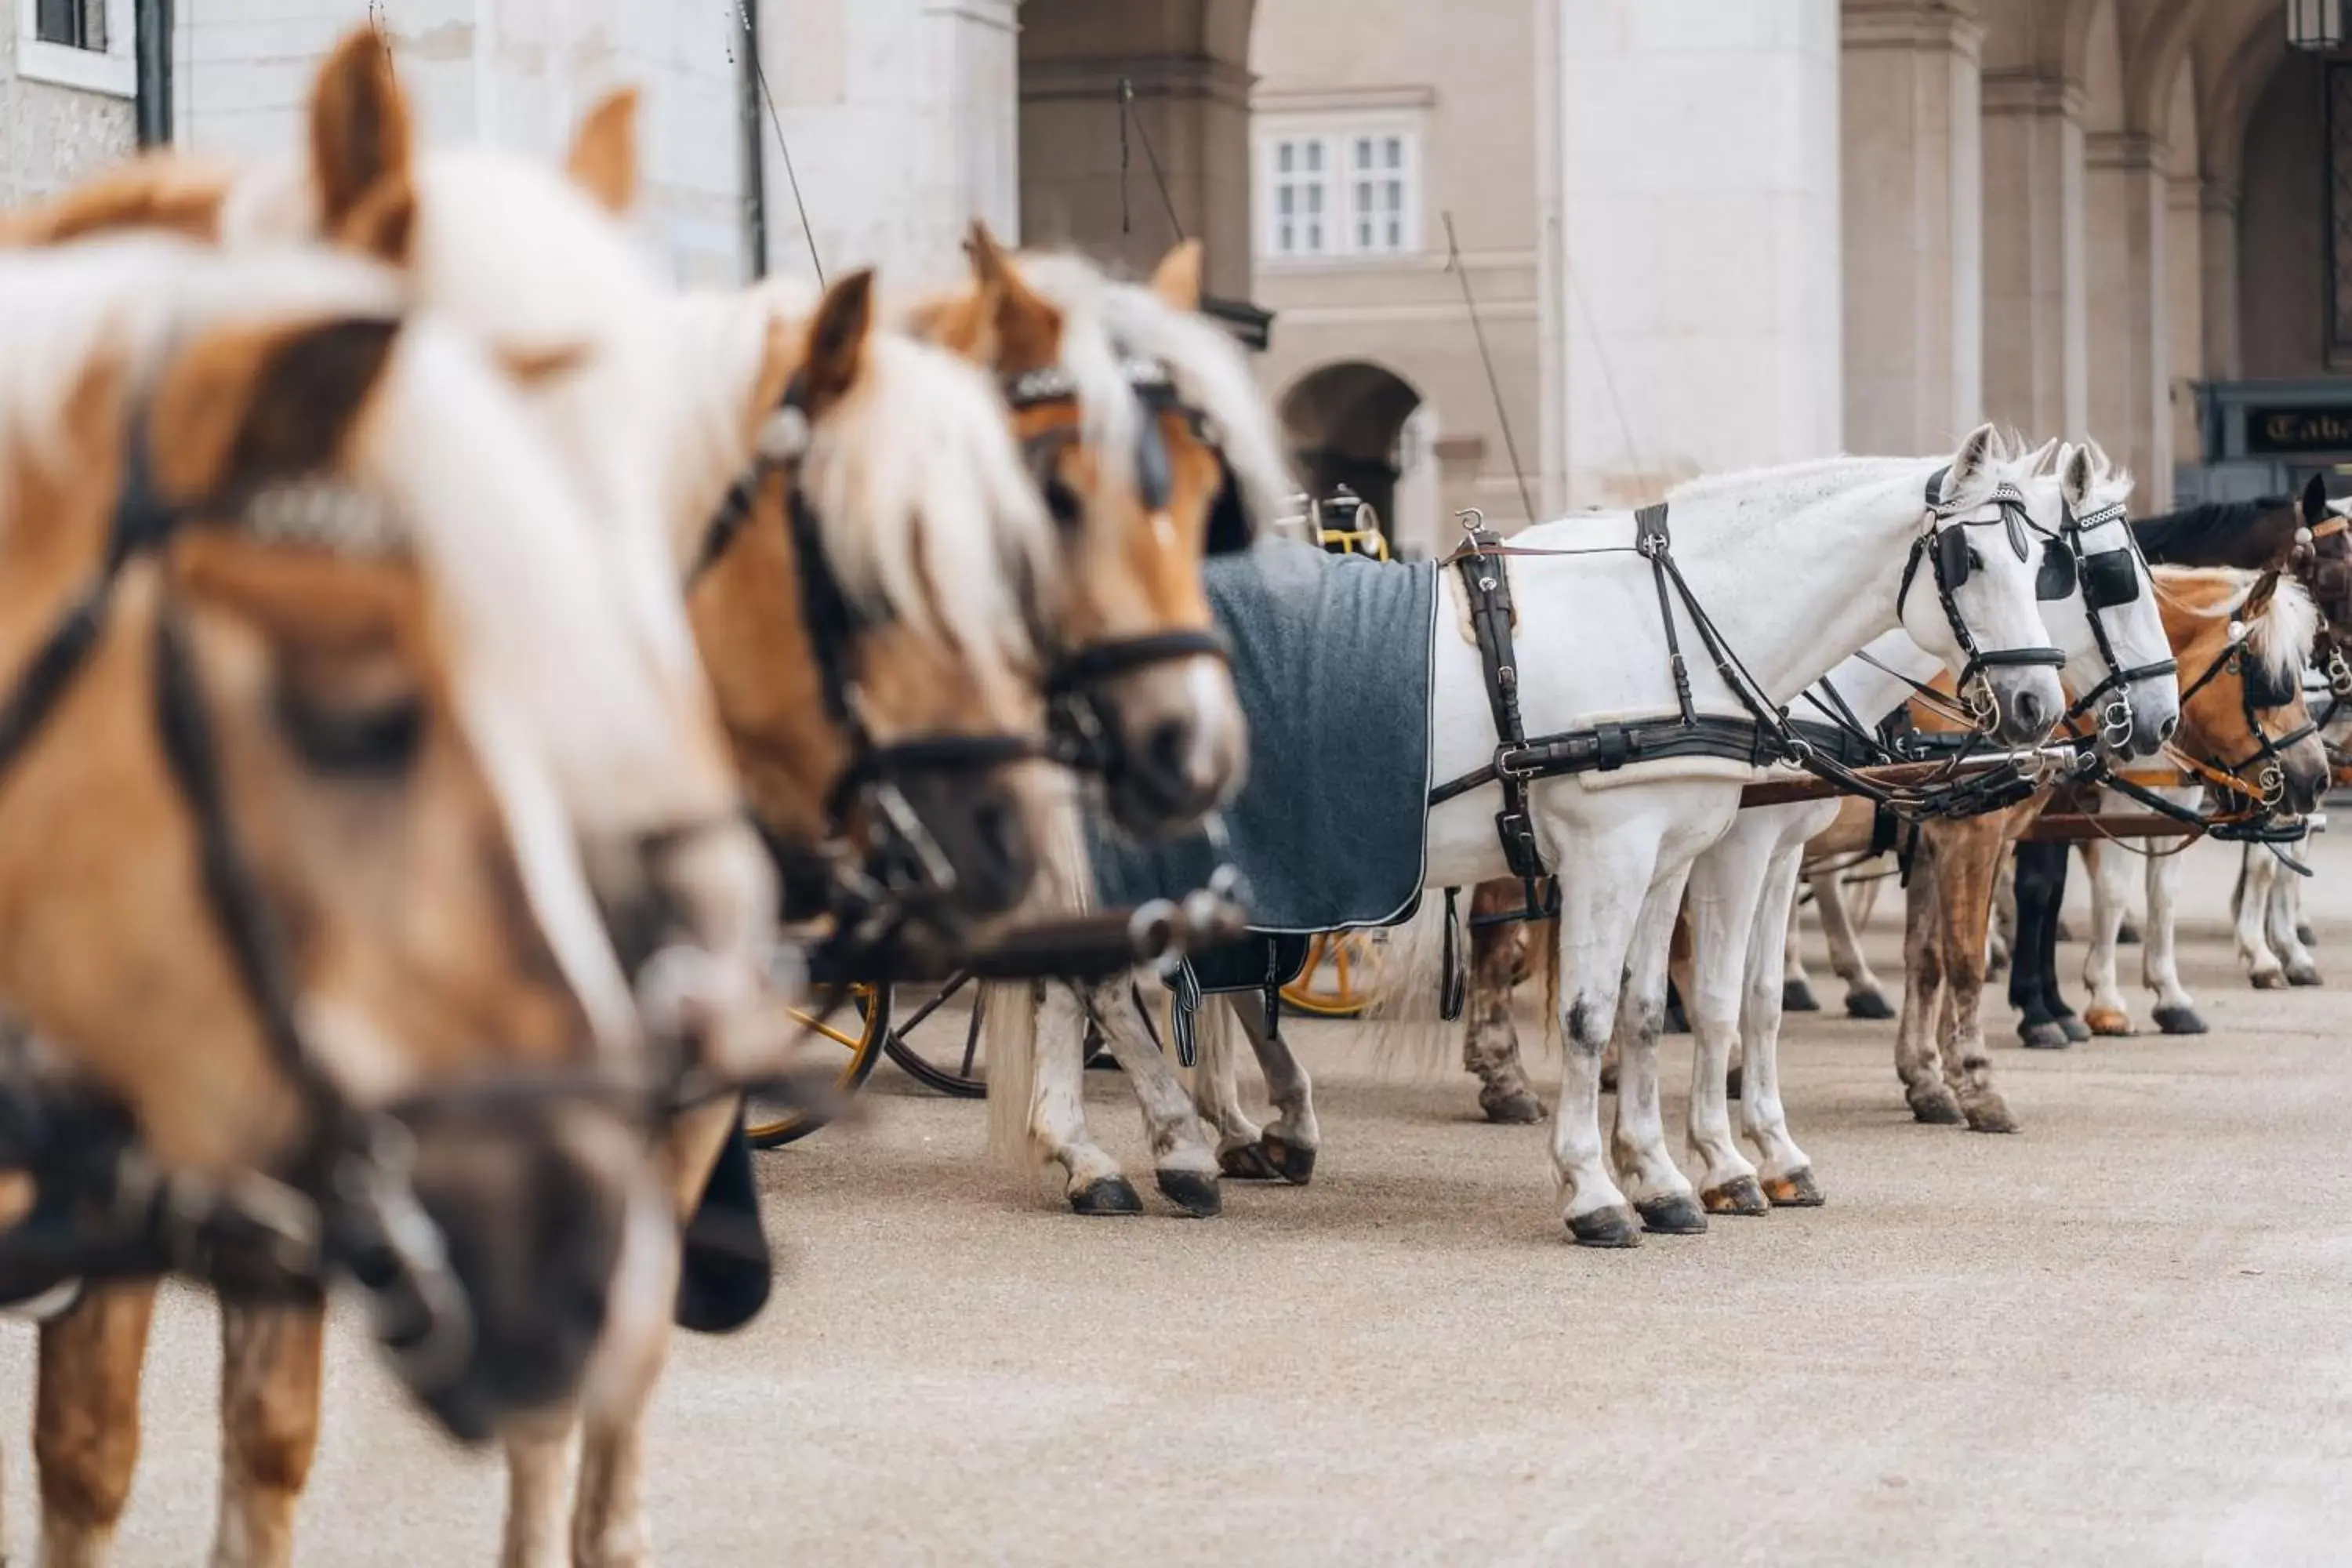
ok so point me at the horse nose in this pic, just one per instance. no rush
(2032, 714)
(1164, 764)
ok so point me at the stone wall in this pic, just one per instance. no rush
(51, 136)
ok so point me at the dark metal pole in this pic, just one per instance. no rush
(151, 44)
(755, 159)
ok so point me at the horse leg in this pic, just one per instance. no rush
(1291, 1143)
(1184, 1164)
(1786, 1172)
(1866, 997)
(1796, 985)
(1964, 874)
(2278, 912)
(1725, 889)
(1490, 1038)
(2001, 942)
(86, 1419)
(1035, 1036)
(2108, 1014)
(540, 1449)
(1923, 990)
(271, 1361)
(1580, 1007)
(2176, 1010)
(1662, 1195)
(2263, 963)
(2035, 945)
(2054, 998)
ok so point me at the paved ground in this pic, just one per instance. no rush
(2119, 1337)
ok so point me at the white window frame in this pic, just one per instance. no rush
(1338, 134)
(113, 71)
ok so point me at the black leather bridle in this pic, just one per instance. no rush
(2261, 774)
(879, 865)
(1077, 676)
(1952, 558)
(2107, 579)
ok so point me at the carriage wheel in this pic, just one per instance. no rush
(947, 1056)
(1327, 986)
(860, 1032)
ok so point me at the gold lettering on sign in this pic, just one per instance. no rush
(2294, 430)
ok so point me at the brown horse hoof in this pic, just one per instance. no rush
(1796, 1190)
(1605, 1228)
(2179, 1021)
(2267, 980)
(1796, 996)
(2045, 1036)
(1194, 1192)
(2128, 931)
(1868, 1006)
(2108, 1021)
(1741, 1196)
(1247, 1162)
(1936, 1107)
(2301, 975)
(1677, 1213)
(1518, 1109)
(1291, 1161)
(1110, 1196)
(1991, 1114)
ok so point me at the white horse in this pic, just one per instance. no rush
(1798, 567)
(1743, 888)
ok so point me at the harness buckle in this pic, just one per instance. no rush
(1518, 832)
(1614, 744)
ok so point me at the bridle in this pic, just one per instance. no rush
(899, 871)
(344, 1202)
(2107, 579)
(2258, 693)
(1077, 676)
(1944, 544)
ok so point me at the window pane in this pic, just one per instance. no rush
(1315, 157)
(1396, 234)
(1314, 201)
(1363, 234)
(1395, 152)
(1283, 153)
(1363, 151)
(1286, 236)
(1284, 198)
(1396, 196)
(62, 22)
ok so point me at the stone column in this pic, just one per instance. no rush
(2184, 309)
(1914, 226)
(2218, 266)
(1700, 175)
(902, 120)
(2034, 345)
(2126, 207)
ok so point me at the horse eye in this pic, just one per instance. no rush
(1976, 562)
(375, 739)
(1063, 503)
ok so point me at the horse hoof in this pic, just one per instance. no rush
(1741, 1194)
(1246, 1162)
(1991, 1115)
(1677, 1213)
(1869, 1005)
(2065, 931)
(2108, 1021)
(1293, 1163)
(2128, 931)
(1605, 1228)
(1734, 1081)
(1796, 1190)
(1797, 996)
(2179, 1021)
(2267, 980)
(1937, 1108)
(1110, 1195)
(2045, 1036)
(1517, 1108)
(1194, 1192)
(2073, 1028)
(2301, 975)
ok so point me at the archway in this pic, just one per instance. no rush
(1364, 427)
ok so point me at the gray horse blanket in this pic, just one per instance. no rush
(1332, 659)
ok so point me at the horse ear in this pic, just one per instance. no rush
(240, 408)
(1176, 278)
(2074, 476)
(2314, 501)
(362, 151)
(836, 340)
(1028, 329)
(1971, 466)
(604, 157)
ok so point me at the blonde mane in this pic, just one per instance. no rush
(2280, 636)
(1106, 322)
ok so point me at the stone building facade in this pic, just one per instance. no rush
(1700, 234)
